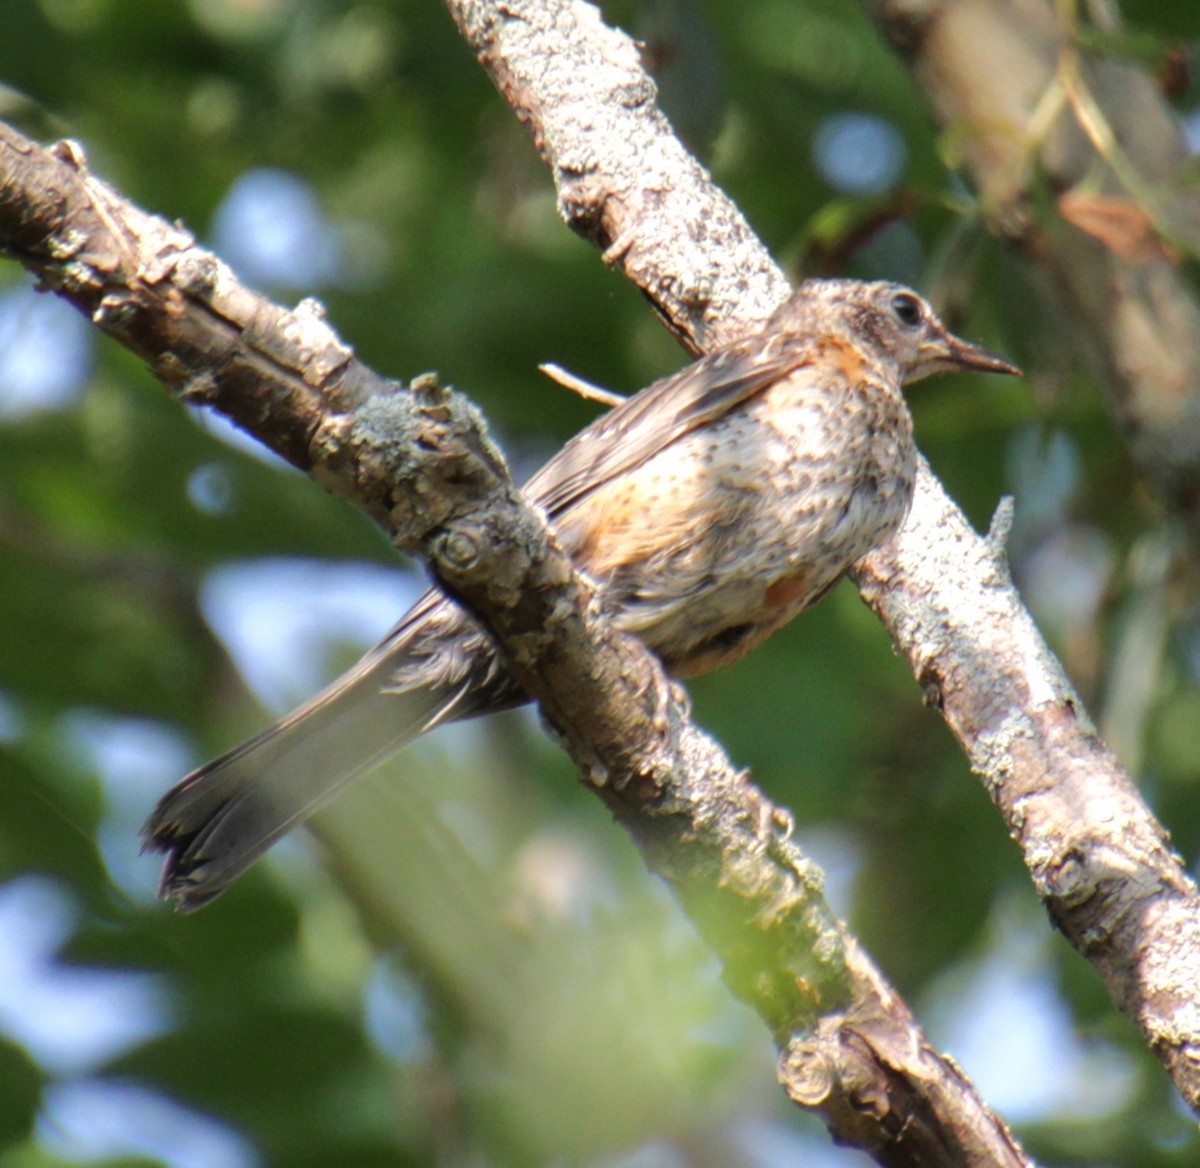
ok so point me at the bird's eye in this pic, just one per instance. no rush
(907, 309)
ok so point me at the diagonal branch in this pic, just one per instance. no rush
(1098, 856)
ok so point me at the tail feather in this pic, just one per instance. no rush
(218, 820)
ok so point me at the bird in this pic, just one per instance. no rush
(707, 510)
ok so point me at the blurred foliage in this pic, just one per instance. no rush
(477, 970)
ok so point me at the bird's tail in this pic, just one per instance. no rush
(219, 819)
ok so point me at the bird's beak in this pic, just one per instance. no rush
(955, 353)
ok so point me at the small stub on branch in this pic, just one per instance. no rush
(806, 1073)
(997, 536)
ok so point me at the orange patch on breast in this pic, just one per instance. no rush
(845, 357)
(623, 524)
(787, 591)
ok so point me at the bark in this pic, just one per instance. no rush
(1099, 859)
(579, 88)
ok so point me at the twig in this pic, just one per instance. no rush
(585, 389)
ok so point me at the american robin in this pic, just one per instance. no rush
(709, 510)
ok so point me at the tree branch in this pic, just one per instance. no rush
(1099, 859)
(1112, 884)
(580, 89)
(421, 464)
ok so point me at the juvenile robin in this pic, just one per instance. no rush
(709, 510)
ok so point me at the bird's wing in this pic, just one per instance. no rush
(661, 413)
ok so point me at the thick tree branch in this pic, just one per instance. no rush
(1100, 861)
(1098, 858)
(421, 464)
(1114, 887)
(578, 86)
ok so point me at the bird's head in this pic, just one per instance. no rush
(891, 323)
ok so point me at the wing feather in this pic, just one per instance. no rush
(644, 424)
